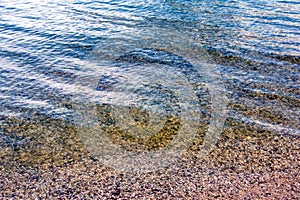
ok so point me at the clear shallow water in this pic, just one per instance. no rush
(46, 48)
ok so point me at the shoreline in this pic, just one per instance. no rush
(245, 163)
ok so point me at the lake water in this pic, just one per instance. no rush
(50, 50)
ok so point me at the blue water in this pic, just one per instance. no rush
(255, 45)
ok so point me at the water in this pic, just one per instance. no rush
(48, 49)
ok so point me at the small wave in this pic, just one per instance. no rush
(274, 128)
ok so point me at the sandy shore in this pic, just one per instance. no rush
(246, 163)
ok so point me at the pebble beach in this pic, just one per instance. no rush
(149, 99)
(246, 163)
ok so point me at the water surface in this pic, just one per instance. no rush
(47, 49)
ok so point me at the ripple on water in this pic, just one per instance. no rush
(45, 48)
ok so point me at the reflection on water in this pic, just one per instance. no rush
(47, 47)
